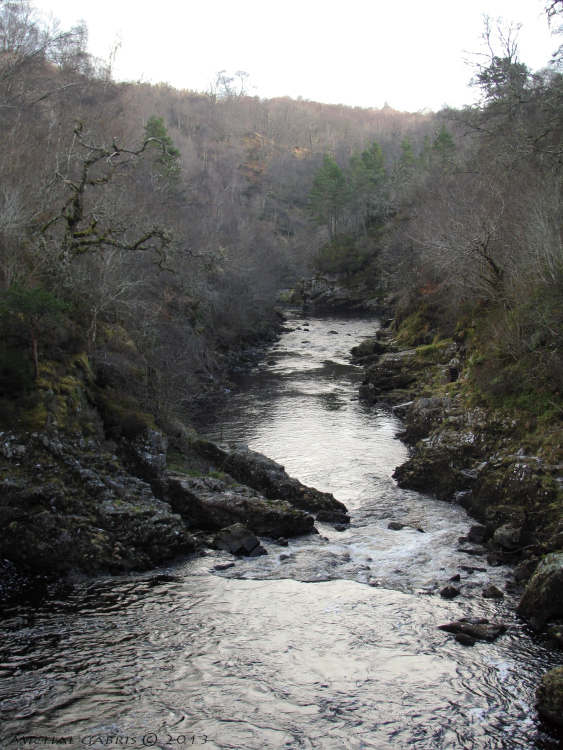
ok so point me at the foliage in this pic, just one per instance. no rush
(330, 196)
(156, 136)
(37, 307)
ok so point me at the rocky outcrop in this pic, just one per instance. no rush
(65, 505)
(211, 504)
(266, 476)
(389, 377)
(542, 600)
(144, 456)
(329, 292)
(549, 695)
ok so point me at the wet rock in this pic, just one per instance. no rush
(236, 539)
(332, 516)
(495, 559)
(504, 522)
(266, 476)
(393, 371)
(212, 504)
(281, 542)
(549, 695)
(395, 526)
(508, 536)
(449, 592)
(465, 639)
(340, 527)
(424, 415)
(477, 534)
(367, 349)
(258, 551)
(224, 566)
(455, 578)
(525, 570)
(480, 629)
(543, 596)
(492, 592)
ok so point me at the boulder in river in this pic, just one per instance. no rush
(449, 592)
(478, 628)
(332, 516)
(477, 534)
(238, 540)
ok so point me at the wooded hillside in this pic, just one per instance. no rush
(152, 228)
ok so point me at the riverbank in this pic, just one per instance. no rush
(91, 484)
(505, 469)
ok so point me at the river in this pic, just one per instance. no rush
(329, 643)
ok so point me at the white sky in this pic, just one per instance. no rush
(356, 52)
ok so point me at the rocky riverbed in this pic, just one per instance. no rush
(479, 458)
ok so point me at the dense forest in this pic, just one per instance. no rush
(149, 230)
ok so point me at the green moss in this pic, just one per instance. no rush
(412, 329)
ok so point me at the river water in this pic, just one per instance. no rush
(329, 643)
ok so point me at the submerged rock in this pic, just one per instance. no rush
(492, 592)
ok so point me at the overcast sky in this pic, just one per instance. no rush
(409, 54)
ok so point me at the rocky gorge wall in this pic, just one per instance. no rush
(491, 462)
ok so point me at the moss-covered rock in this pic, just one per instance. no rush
(543, 597)
(549, 695)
